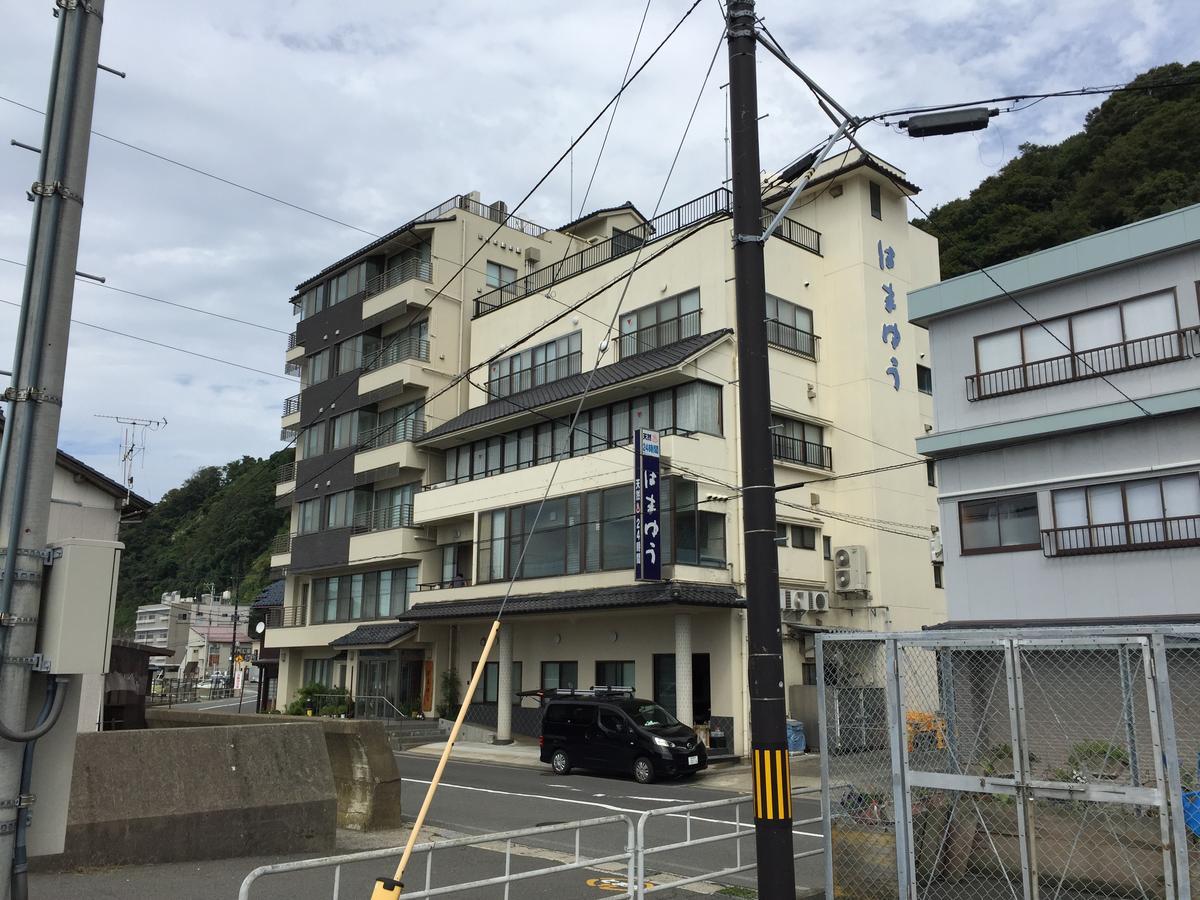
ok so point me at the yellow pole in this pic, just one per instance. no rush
(389, 888)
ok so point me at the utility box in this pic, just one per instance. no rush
(76, 622)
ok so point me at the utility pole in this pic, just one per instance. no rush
(29, 448)
(768, 735)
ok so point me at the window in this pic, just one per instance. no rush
(560, 675)
(347, 428)
(999, 524)
(615, 673)
(924, 379)
(389, 508)
(1137, 332)
(356, 352)
(340, 508)
(660, 324)
(310, 516)
(407, 343)
(790, 327)
(312, 440)
(931, 472)
(456, 564)
(699, 535)
(311, 301)
(937, 575)
(499, 275)
(548, 362)
(827, 546)
(804, 537)
(316, 369)
(876, 201)
(363, 596)
(318, 671)
(352, 281)
(800, 442)
(1146, 512)
(490, 683)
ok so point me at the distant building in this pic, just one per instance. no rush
(266, 659)
(1068, 452)
(209, 647)
(168, 623)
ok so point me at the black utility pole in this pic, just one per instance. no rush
(772, 787)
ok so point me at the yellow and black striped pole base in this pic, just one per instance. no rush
(772, 785)
(386, 888)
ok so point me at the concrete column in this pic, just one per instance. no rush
(504, 686)
(683, 668)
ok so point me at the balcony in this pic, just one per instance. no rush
(286, 616)
(291, 406)
(391, 445)
(285, 473)
(383, 519)
(1123, 357)
(410, 275)
(396, 364)
(802, 453)
(295, 350)
(792, 339)
(800, 235)
(281, 550)
(659, 334)
(1122, 537)
(387, 534)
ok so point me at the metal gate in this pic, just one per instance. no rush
(1019, 764)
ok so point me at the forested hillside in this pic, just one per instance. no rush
(215, 527)
(1137, 156)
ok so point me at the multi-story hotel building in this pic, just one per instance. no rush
(414, 492)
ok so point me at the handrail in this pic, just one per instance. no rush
(1125, 356)
(801, 451)
(409, 428)
(1122, 537)
(801, 235)
(793, 339)
(381, 700)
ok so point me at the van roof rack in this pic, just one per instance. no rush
(596, 690)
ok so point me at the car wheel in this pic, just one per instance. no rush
(560, 763)
(643, 770)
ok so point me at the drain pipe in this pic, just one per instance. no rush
(20, 872)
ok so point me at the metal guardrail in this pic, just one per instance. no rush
(409, 270)
(740, 830)
(407, 429)
(291, 405)
(660, 334)
(384, 518)
(285, 473)
(803, 452)
(1121, 537)
(792, 339)
(506, 880)
(374, 707)
(286, 616)
(399, 351)
(801, 235)
(281, 543)
(291, 342)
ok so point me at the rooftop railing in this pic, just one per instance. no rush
(1125, 356)
(1122, 537)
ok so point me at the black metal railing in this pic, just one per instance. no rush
(408, 270)
(498, 214)
(442, 585)
(1122, 537)
(718, 202)
(1123, 357)
(286, 616)
(291, 341)
(383, 518)
(169, 691)
(399, 350)
(281, 543)
(806, 453)
(542, 373)
(792, 339)
(291, 405)
(408, 429)
(800, 235)
(285, 473)
(660, 334)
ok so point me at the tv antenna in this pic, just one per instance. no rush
(134, 442)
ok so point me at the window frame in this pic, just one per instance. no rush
(876, 199)
(1000, 548)
(927, 372)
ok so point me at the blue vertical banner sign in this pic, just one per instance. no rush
(647, 540)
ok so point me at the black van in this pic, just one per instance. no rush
(611, 730)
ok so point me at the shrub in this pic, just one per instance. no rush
(451, 695)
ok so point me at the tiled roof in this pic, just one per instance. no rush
(658, 593)
(627, 205)
(271, 595)
(377, 633)
(627, 369)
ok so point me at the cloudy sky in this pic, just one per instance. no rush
(369, 115)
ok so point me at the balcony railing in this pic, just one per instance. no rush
(399, 351)
(442, 585)
(288, 433)
(285, 473)
(292, 368)
(384, 518)
(496, 214)
(281, 543)
(1123, 357)
(542, 373)
(1122, 537)
(792, 339)
(291, 341)
(801, 235)
(660, 334)
(409, 429)
(286, 616)
(803, 452)
(408, 270)
(291, 406)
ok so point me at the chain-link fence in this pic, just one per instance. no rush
(1012, 763)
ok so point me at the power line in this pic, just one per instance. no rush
(195, 309)
(134, 337)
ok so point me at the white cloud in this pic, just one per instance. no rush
(369, 114)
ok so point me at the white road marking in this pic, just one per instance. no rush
(748, 825)
(223, 705)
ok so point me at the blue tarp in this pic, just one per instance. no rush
(795, 736)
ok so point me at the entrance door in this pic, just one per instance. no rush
(664, 685)
(375, 676)
(412, 679)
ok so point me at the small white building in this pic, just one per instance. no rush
(1067, 434)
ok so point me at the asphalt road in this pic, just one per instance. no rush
(478, 798)
(224, 705)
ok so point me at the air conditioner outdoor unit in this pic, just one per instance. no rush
(935, 547)
(818, 601)
(790, 599)
(849, 569)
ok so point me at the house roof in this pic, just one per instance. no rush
(606, 210)
(78, 467)
(370, 635)
(657, 593)
(627, 369)
(271, 595)
(825, 175)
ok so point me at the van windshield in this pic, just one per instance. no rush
(649, 715)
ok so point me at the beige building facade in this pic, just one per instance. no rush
(415, 493)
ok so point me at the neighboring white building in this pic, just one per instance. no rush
(1068, 478)
(168, 624)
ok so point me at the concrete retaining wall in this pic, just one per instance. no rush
(168, 795)
(360, 758)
